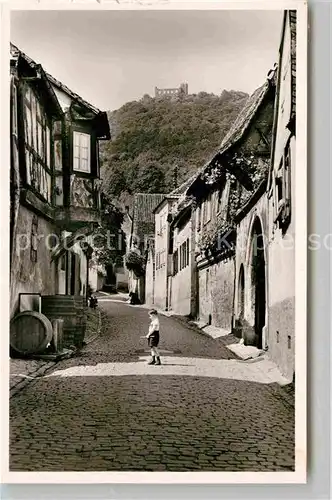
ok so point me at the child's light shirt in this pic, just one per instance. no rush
(154, 326)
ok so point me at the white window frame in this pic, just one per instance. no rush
(83, 153)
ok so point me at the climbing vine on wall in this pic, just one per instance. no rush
(217, 236)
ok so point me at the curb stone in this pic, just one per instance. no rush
(44, 368)
(40, 372)
(93, 337)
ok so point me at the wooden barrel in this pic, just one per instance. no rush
(70, 308)
(30, 332)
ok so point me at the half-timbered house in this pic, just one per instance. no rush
(54, 182)
(221, 188)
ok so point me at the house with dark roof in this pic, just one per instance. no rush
(221, 187)
(281, 204)
(159, 264)
(54, 182)
(140, 238)
(160, 258)
(264, 299)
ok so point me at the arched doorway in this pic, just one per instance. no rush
(258, 278)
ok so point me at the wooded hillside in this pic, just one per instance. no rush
(158, 143)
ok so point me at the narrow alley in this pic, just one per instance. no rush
(106, 409)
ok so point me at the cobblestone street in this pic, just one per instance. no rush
(106, 409)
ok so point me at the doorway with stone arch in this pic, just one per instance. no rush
(241, 296)
(258, 281)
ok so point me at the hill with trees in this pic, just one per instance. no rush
(157, 143)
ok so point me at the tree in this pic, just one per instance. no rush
(108, 239)
(150, 136)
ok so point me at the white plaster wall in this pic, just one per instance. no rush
(161, 245)
(83, 267)
(181, 282)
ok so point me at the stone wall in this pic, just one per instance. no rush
(32, 272)
(216, 294)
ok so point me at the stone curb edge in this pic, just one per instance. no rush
(94, 337)
(41, 371)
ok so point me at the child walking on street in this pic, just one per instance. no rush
(153, 337)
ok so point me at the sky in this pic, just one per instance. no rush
(112, 57)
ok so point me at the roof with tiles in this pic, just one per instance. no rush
(242, 122)
(244, 119)
(292, 23)
(143, 216)
(183, 187)
(15, 53)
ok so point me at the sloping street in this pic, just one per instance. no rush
(106, 409)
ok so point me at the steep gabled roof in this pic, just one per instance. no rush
(292, 23)
(16, 56)
(168, 197)
(244, 119)
(143, 214)
(101, 116)
(144, 205)
(59, 85)
(239, 128)
(184, 186)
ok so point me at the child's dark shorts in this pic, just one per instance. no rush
(154, 339)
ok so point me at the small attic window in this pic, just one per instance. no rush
(82, 152)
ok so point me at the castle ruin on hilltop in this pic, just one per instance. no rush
(182, 90)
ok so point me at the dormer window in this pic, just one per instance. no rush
(82, 152)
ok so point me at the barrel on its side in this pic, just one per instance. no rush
(30, 332)
(70, 308)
